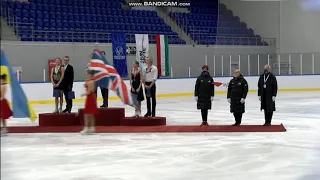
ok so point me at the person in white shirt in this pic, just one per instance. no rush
(150, 78)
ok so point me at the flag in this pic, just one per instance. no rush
(142, 49)
(162, 55)
(106, 75)
(119, 53)
(20, 106)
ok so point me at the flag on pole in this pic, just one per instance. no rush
(20, 105)
(106, 75)
(162, 55)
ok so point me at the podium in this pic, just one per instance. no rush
(105, 117)
(55, 119)
(143, 121)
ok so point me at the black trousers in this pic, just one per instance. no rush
(68, 101)
(268, 116)
(151, 110)
(105, 96)
(204, 115)
(238, 117)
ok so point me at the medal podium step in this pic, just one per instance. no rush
(55, 119)
(143, 121)
(105, 117)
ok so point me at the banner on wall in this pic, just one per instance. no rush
(142, 49)
(51, 64)
(119, 53)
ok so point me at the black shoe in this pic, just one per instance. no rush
(236, 124)
(147, 115)
(153, 115)
(204, 123)
(267, 124)
(65, 111)
(103, 106)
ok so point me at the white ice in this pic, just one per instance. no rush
(293, 155)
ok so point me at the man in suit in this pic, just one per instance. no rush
(67, 83)
(104, 90)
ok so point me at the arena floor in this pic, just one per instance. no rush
(293, 155)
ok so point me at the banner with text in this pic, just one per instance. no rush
(119, 53)
(142, 49)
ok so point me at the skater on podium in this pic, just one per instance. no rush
(104, 90)
(5, 112)
(237, 93)
(67, 84)
(150, 78)
(267, 93)
(90, 107)
(57, 75)
(136, 79)
(204, 93)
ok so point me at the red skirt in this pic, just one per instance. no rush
(5, 112)
(90, 106)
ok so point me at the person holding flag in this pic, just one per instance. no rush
(21, 108)
(6, 112)
(106, 75)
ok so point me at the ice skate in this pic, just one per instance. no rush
(85, 131)
(4, 131)
(136, 114)
(56, 110)
(92, 130)
(204, 124)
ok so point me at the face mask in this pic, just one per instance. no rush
(266, 71)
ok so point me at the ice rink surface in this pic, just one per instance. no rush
(293, 155)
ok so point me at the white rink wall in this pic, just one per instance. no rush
(42, 92)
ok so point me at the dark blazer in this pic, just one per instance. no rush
(68, 78)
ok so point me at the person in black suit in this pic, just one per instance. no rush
(104, 90)
(67, 83)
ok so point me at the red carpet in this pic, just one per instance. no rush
(143, 121)
(148, 129)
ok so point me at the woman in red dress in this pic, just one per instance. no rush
(90, 107)
(5, 112)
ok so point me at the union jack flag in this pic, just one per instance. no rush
(107, 76)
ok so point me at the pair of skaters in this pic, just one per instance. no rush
(237, 93)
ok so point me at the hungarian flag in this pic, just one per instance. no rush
(162, 55)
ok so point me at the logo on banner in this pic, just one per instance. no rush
(143, 54)
(119, 53)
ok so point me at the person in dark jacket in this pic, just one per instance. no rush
(237, 93)
(267, 92)
(204, 93)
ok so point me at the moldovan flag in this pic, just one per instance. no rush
(162, 55)
(20, 106)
